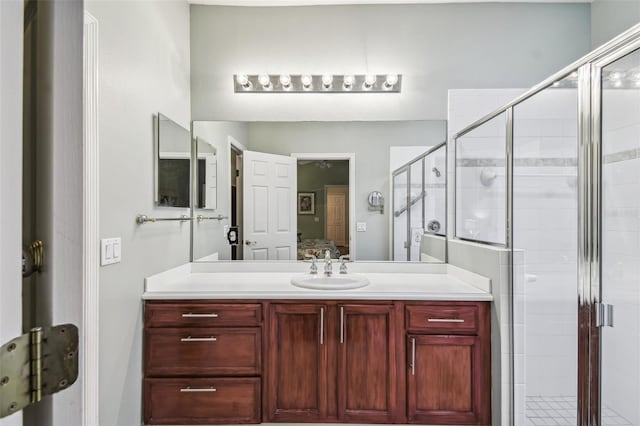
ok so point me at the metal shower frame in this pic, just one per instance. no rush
(589, 286)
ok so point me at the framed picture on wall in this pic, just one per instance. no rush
(306, 203)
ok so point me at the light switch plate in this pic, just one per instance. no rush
(110, 251)
(361, 226)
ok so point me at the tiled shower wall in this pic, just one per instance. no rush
(545, 224)
(621, 251)
(545, 229)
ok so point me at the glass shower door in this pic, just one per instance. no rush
(400, 217)
(620, 249)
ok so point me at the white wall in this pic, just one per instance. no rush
(611, 17)
(371, 142)
(436, 47)
(11, 51)
(209, 236)
(143, 69)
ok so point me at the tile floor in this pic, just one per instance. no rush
(561, 410)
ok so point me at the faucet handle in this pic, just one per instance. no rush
(343, 263)
(314, 266)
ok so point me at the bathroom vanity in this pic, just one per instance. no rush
(227, 347)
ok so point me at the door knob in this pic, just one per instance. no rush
(247, 242)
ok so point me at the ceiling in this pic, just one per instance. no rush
(352, 2)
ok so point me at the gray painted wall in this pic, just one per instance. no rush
(611, 17)
(312, 178)
(143, 69)
(370, 141)
(436, 47)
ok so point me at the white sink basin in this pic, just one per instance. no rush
(334, 282)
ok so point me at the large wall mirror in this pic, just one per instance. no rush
(173, 163)
(291, 190)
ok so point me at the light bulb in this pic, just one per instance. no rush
(617, 83)
(347, 82)
(390, 81)
(369, 81)
(556, 84)
(285, 81)
(327, 80)
(635, 76)
(307, 81)
(574, 74)
(243, 80)
(616, 75)
(265, 81)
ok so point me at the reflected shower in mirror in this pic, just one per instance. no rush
(173, 163)
(290, 190)
(419, 201)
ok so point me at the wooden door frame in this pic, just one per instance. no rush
(325, 210)
(351, 157)
(91, 227)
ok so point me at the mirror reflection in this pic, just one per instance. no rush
(293, 190)
(173, 163)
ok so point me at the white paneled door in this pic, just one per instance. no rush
(269, 206)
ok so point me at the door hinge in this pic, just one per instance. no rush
(604, 315)
(36, 364)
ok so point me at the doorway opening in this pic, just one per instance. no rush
(325, 205)
(236, 200)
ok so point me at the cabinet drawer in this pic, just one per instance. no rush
(202, 314)
(442, 318)
(203, 351)
(201, 401)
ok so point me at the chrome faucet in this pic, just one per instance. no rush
(343, 263)
(327, 263)
(314, 266)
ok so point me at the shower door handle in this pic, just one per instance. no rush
(604, 315)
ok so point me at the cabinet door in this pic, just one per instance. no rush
(297, 366)
(445, 383)
(367, 383)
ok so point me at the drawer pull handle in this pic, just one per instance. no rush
(188, 389)
(198, 339)
(192, 315)
(445, 320)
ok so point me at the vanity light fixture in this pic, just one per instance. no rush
(265, 81)
(317, 83)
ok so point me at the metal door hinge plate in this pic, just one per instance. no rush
(39, 363)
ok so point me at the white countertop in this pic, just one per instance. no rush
(255, 280)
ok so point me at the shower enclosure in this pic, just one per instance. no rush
(554, 176)
(419, 207)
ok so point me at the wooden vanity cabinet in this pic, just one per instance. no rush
(367, 367)
(203, 363)
(297, 363)
(449, 367)
(324, 361)
(331, 361)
